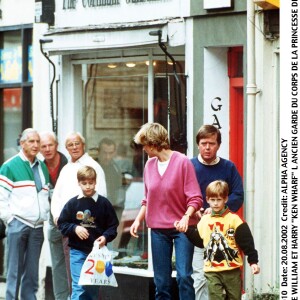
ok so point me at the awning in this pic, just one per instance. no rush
(111, 36)
(268, 4)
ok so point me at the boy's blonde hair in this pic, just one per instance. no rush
(217, 188)
(85, 173)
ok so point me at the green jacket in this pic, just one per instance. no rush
(19, 197)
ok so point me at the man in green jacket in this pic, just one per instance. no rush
(24, 206)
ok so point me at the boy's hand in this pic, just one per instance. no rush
(255, 269)
(101, 240)
(82, 232)
(207, 211)
(183, 224)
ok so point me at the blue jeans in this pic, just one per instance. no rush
(24, 246)
(80, 292)
(162, 241)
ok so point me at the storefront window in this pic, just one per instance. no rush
(15, 96)
(15, 87)
(12, 116)
(11, 72)
(116, 105)
(11, 57)
(170, 101)
(12, 121)
(116, 98)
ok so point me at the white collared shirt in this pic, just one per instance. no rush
(214, 162)
(94, 197)
(67, 185)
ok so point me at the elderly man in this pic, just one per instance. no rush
(55, 161)
(210, 167)
(24, 206)
(67, 184)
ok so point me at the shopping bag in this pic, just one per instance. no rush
(97, 268)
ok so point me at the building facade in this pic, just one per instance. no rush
(16, 81)
(116, 64)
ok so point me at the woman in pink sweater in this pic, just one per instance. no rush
(171, 193)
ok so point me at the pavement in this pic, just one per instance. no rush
(2, 290)
(45, 293)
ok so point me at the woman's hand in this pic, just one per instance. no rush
(137, 222)
(134, 228)
(183, 224)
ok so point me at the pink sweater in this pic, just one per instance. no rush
(167, 197)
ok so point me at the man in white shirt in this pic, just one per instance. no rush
(67, 184)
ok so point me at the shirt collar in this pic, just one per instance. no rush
(94, 197)
(24, 157)
(214, 162)
(80, 159)
(221, 213)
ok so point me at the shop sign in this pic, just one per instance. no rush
(74, 13)
(216, 93)
(215, 4)
(71, 4)
(216, 106)
(38, 11)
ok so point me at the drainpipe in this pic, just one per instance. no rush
(54, 120)
(251, 98)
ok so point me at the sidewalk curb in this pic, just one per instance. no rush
(2, 290)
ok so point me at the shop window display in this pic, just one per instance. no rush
(116, 105)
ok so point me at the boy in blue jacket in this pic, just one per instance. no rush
(86, 218)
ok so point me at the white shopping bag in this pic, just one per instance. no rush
(97, 268)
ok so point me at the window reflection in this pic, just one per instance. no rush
(15, 103)
(116, 101)
(11, 57)
(12, 121)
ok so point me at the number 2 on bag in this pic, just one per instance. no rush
(88, 271)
